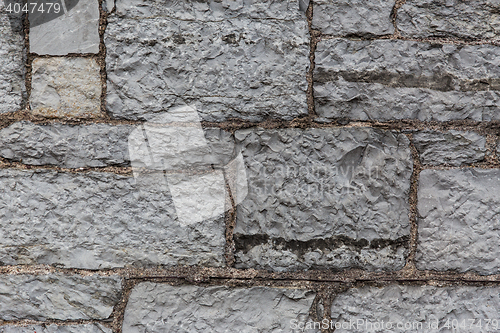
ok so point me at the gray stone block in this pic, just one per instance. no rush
(398, 79)
(397, 308)
(99, 220)
(99, 145)
(458, 226)
(57, 296)
(52, 328)
(74, 30)
(450, 19)
(324, 199)
(452, 147)
(358, 18)
(229, 59)
(12, 53)
(154, 307)
(66, 87)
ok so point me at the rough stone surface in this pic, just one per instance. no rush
(88, 328)
(97, 145)
(450, 18)
(452, 147)
(66, 87)
(359, 18)
(156, 307)
(229, 59)
(74, 31)
(458, 227)
(397, 79)
(99, 220)
(420, 306)
(11, 61)
(56, 296)
(324, 198)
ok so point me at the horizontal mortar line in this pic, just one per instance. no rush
(173, 18)
(435, 40)
(35, 56)
(119, 170)
(199, 274)
(58, 322)
(309, 121)
(458, 167)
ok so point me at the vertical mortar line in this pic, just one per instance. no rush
(101, 57)
(29, 61)
(394, 16)
(413, 200)
(118, 313)
(313, 41)
(328, 299)
(491, 149)
(229, 223)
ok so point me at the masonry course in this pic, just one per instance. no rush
(58, 296)
(324, 198)
(450, 19)
(451, 147)
(401, 79)
(458, 220)
(157, 307)
(250, 64)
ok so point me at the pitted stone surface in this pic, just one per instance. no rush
(96, 145)
(450, 19)
(397, 79)
(57, 296)
(360, 18)
(66, 87)
(229, 59)
(419, 306)
(99, 220)
(452, 147)
(324, 198)
(74, 31)
(87, 328)
(458, 227)
(11, 61)
(154, 307)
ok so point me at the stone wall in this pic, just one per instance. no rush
(353, 154)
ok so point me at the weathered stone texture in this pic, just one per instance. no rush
(359, 18)
(450, 18)
(57, 296)
(397, 79)
(76, 31)
(101, 145)
(324, 198)
(458, 227)
(453, 147)
(419, 306)
(229, 58)
(11, 61)
(87, 328)
(66, 87)
(154, 307)
(99, 220)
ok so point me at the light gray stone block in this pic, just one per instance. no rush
(324, 198)
(52, 328)
(99, 145)
(154, 307)
(99, 220)
(397, 79)
(397, 308)
(452, 147)
(458, 226)
(74, 30)
(229, 59)
(450, 19)
(358, 18)
(12, 53)
(57, 296)
(66, 87)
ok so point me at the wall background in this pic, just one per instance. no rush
(368, 132)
